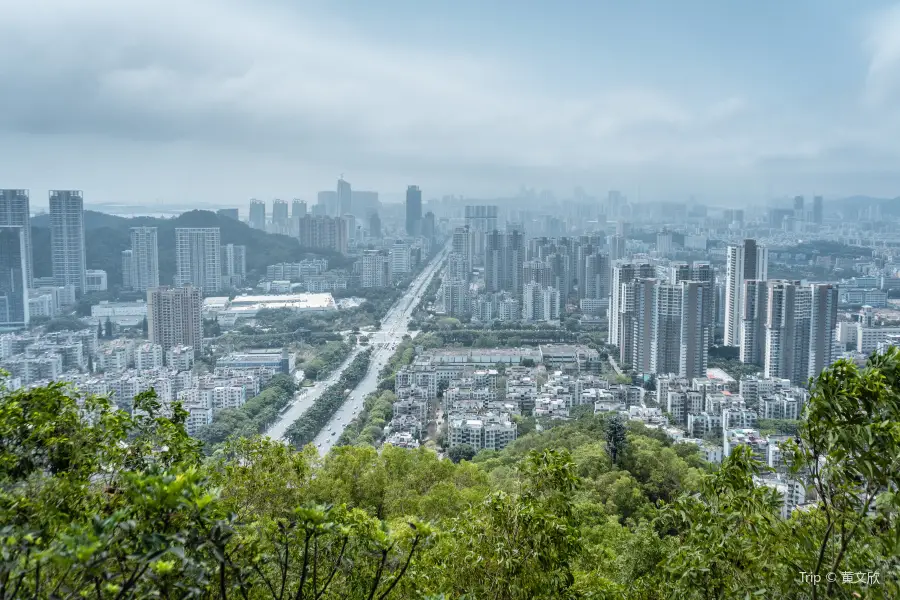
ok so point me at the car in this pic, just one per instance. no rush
(332, 433)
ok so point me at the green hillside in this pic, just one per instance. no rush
(106, 236)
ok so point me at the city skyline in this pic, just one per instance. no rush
(740, 122)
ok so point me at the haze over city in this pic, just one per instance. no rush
(216, 102)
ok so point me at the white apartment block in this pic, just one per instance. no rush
(742, 262)
(144, 259)
(148, 356)
(198, 258)
(67, 238)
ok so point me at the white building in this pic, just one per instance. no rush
(148, 356)
(67, 238)
(95, 280)
(198, 258)
(742, 262)
(144, 259)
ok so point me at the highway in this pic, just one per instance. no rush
(393, 327)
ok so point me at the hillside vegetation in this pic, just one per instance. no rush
(95, 503)
(106, 236)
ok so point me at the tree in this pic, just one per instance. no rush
(145, 327)
(616, 438)
(109, 328)
(99, 330)
(461, 452)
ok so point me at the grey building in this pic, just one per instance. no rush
(144, 258)
(198, 258)
(13, 283)
(67, 238)
(413, 210)
(15, 211)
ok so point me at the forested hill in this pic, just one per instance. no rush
(107, 235)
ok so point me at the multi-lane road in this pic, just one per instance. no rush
(383, 342)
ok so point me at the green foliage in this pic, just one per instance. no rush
(254, 417)
(97, 503)
(66, 324)
(461, 452)
(304, 430)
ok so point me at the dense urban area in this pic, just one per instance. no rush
(527, 397)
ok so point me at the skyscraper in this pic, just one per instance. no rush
(144, 258)
(323, 232)
(635, 329)
(280, 220)
(234, 265)
(822, 323)
(753, 321)
(375, 226)
(596, 276)
(67, 238)
(298, 208)
(13, 278)
(174, 318)
(429, 225)
(413, 210)
(787, 331)
(504, 269)
(345, 197)
(257, 214)
(817, 211)
(329, 203)
(623, 272)
(743, 262)
(799, 209)
(15, 211)
(480, 219)
(665, 349)
(197, 258)
(127, 269)
(694, 337)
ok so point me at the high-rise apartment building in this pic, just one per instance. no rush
(665, 349)
(822, 324)
(280, 218)
(298, 208)
(174, 317)
(258, 214)
(504, 269)
(329, 203)
(317, 231)
(694, 339)
(480, 219)
(623, 272)
(127, 269)
(67, 238)
(400, 260)
(375, 226)
(144, 258)
(755, 298)
(198, 258)
(596, 276)
(635, 323)
(345, 197)
(14, 312)
(788, 331)
(413, 210)
(540, 304)
(817, 210)
(375, 271)
(703, 273)
(234, 265)
(461, 245)
(616, 245)
(742, 262)
(16, 212)
(799, 209)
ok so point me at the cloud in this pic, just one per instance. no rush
(234, 79)
(882, 43)
(240, 74)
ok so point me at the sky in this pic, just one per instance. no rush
(212, 102)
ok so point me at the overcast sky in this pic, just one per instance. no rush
(215, 101)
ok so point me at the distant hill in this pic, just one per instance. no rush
(108, 235)
(851, 206)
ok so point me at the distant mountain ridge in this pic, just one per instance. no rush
(106, 236)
